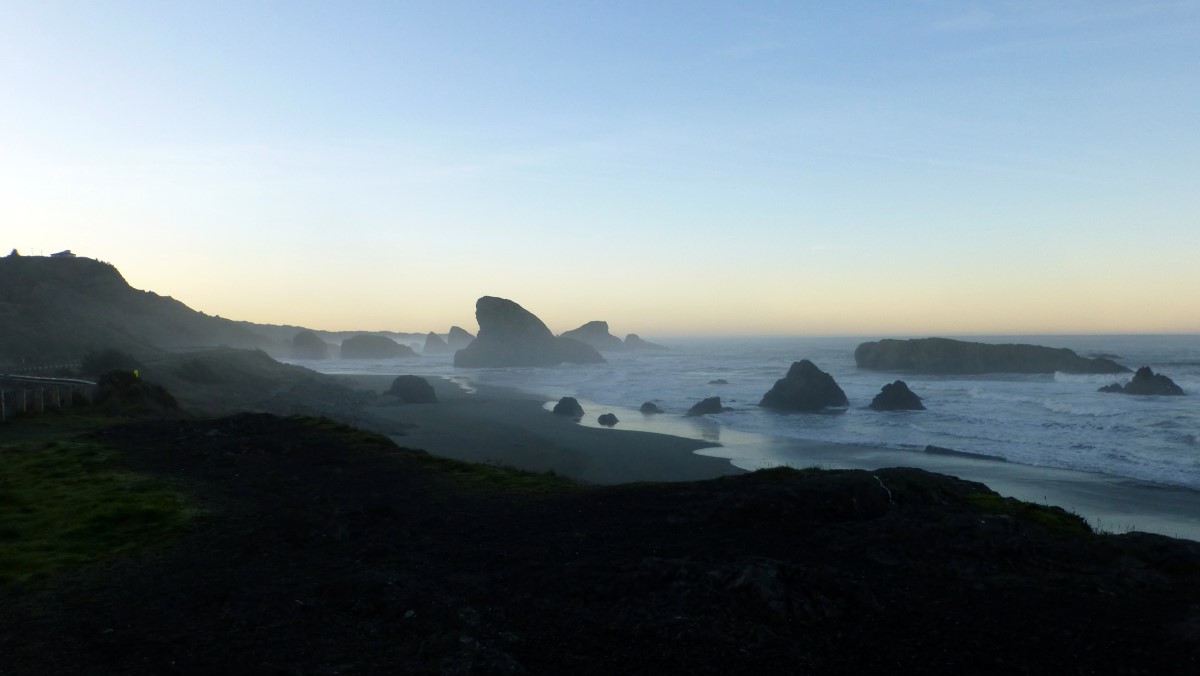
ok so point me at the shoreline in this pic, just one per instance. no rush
(491, 424)
(499, 426)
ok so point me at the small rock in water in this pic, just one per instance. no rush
(650, 407)
(607, 419)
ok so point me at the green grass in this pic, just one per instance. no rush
(1054, 518)
(64, 503)
(503, 478)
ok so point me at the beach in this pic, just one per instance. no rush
(502, 426)
(499, 426)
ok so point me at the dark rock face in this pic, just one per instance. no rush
(633, 342)
(1146, 382)
(607, 419)
(308, 345)
(804, 388)
(650, 407)
(568, 406)
(897, 397)
(596, 334)
(510, 335)
(413, 390)
(710, 405)
(957, 357)
(458, 338)
(718, 381)
(369, 346)
(123, 393)
(434, 344)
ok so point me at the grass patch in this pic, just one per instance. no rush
(64, 503)
(1054, 518)
(503, 478)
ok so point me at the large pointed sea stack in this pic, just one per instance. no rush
(434, 344)
(896, 397)
(804, 388)
(957, 357)
(510, 335)
(458, 338)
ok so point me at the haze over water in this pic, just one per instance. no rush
(699, 168)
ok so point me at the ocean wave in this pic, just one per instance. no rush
(1075, 408)
(1097, 379)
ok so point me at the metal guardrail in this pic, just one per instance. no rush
(26, 395)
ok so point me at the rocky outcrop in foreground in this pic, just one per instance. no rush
(957, 357)
(338, 552)
(369, 346)
(412, 390)
(596, 334)
(897, 397)
(607, 419)
(1146, 382)
(650, 407)
(510, 335)
(804, 388)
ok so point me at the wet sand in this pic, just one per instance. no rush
(507, 427)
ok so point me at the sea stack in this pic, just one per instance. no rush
(634, 342)
(596, 334)
(434, 344)
(458, 338)
(510, 335)
(369, 346)
(706, 406)
(412, 390)
(944, 356)
(897, 397)
(308, 345)
(1146, 383)
(804, 388)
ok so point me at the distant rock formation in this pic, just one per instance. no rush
(369, 346)
(650, 407)
(1146, 382)
(897, 397)
(718, 381)
(706, 406)
(633, 342)
(412, 390)
(308, 345)
(435, 345)
(569, 406)
(804, 388)
(458, 338)
(596, 334)
(956, 357)
(607, 419)
(510, 335)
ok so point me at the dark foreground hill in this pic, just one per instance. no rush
(320, 549)
(58, 309)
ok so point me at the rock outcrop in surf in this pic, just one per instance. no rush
(634, 342)
(434, 344)
(510, 335)
(706, 406)
(1146, 383)
(596, 334)
(568, 406)
(367, 346)
(956, 357)
(897, 397)
(804, 388)
(308, 345)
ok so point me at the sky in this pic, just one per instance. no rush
(675, 168)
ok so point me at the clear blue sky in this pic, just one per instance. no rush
(691, 167)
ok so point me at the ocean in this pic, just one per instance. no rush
(1053, 420)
